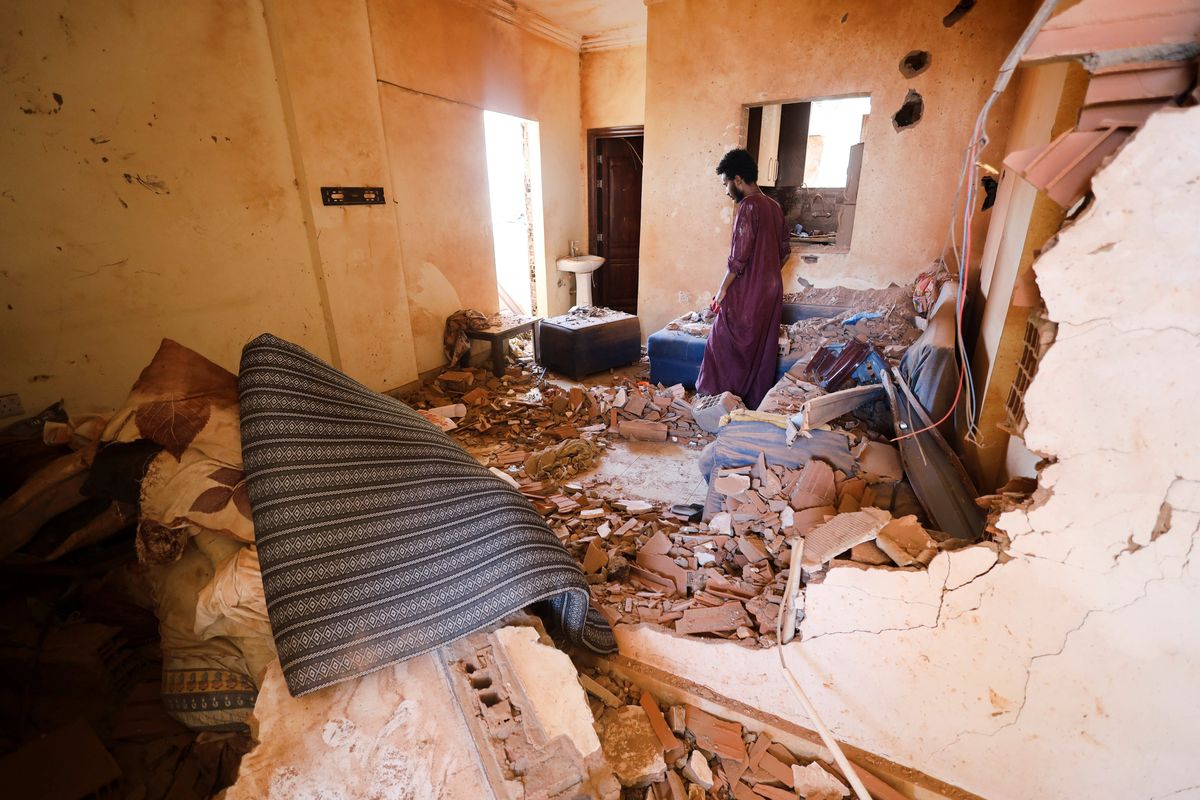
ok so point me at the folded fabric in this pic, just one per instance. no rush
(379, 537)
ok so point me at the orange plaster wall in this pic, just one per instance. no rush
(440, 65)
(614, 87)
(707, 58)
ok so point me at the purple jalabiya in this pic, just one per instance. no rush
(743, 348)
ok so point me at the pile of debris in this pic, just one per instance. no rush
(531, 415)
(891, 329)
(682, 752)
(550, 728)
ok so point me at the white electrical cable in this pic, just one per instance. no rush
(793, 586)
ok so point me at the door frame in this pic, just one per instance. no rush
(593, 136)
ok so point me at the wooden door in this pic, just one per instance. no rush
(616, 218)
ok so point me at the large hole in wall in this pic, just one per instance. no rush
(910, 113)
(915, 63)
(958, 12)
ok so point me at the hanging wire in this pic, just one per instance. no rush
(967, 182)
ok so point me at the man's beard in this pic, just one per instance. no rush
(738, 194)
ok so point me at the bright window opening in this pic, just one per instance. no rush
(515, 190)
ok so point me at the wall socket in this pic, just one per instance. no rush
(10, 405)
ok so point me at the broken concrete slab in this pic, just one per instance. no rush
(548, 679)
(631, 747)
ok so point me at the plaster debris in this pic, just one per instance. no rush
(697, 770)
(814, 783)
(631, 747)
(548, 678)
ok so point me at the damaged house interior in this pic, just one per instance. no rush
(510, 400)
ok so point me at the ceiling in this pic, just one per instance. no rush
(591, 18)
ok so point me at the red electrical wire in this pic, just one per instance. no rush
(962, 289)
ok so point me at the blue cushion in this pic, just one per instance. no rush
(675, 358)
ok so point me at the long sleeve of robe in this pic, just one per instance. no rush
(742, 351)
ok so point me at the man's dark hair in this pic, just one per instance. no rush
(738, 163)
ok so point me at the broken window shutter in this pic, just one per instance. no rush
(1039, 335)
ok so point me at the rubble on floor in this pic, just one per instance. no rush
(701, 755)
(507, 421)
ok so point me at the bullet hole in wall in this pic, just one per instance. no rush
(915, 63)
(958, 12)
(910, 113)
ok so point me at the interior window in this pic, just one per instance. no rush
(809, 157)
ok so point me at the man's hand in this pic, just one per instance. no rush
(715, 306)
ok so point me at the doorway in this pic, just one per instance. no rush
(515, 192)
(615, 213)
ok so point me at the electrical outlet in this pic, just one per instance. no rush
(10, 405)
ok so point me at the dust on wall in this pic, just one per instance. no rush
(1067, 667)
(356, 249)
(439, 66)
(614, 87)
(699, 75)
(148, 192)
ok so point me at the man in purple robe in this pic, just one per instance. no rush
(743, 348)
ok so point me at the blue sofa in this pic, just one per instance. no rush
(675, 357)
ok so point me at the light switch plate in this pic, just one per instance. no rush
(10, 405)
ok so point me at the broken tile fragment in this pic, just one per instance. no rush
(869, 553)
(599, 692)
(815, 487)
(841, 533)
(732, 484)
(879, 462)
(673, 749)
(723, 618)
(595, 559)
(716, 735)
(906, 542)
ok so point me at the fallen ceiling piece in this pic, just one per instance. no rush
(814, 783)
(934, 471)
(826, 408)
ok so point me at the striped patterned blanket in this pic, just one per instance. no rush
(379, 537)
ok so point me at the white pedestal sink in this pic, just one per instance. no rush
(583, 267)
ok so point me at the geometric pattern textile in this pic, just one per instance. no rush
(379, 537)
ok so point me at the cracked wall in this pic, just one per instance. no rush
(1069, 669)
